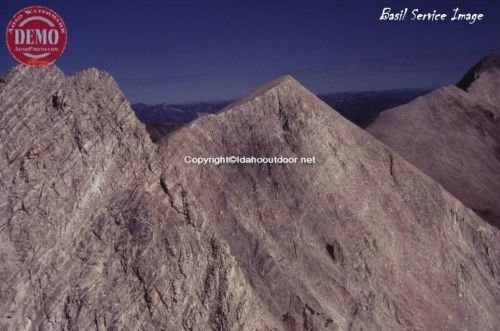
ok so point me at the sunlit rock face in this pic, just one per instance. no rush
(453, 135)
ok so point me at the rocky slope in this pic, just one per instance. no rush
(88, 239)
(101, 229)
(454, 137)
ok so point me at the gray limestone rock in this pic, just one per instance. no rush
(100, 229)
(88, 238)
(454, 136)
(359, 240)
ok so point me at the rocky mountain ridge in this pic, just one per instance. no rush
(102, 229)
(453, 135)
(361, 108)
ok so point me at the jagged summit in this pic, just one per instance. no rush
(23, 70)
(24, 76)
(77, 96)
(271, 102)
(285, 79)
(47, 74)
(280, 82)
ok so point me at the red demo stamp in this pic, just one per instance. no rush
(36, 36)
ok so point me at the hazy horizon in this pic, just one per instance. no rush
(187, 103)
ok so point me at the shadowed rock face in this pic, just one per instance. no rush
(483, 80)
(102, 229)
(157, 131)
(454, 137)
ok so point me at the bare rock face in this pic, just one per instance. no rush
(88, 238)
(360, 240)
(101, 229)
(454, 137)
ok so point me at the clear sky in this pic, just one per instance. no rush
(200, 50)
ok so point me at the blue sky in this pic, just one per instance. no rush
(183, 51)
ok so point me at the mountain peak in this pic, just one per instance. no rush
(488, 63)
(483, 80)
(51, 72)
(92, 74)
(285, 81)
(319, 216)
(30, 74)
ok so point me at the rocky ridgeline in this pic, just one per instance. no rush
(453, 135)
(89, 239)
(102, 229)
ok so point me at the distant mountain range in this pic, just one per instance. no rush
(176, 113)
(361, 108)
